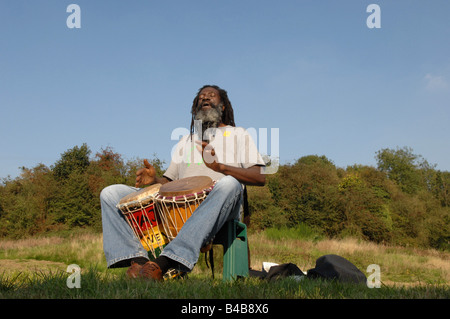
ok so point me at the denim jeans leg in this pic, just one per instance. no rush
(221, 205)
(119, 242)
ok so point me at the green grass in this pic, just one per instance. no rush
(95, 284)
(36, 269)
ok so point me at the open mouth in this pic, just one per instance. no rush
(206, 105)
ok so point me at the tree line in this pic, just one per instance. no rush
(404, 200)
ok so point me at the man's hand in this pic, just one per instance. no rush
(145, 175)
(248, 176)
(209, 156)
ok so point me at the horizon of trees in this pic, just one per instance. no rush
(404, 200)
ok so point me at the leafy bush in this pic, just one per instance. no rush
(66, 195)
(403, 201)
(360, 201)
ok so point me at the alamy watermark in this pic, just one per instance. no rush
(74, 19)
(374, 279)
(373, 21)
(225, 142)
(74, 280)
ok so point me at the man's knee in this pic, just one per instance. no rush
(107, 193)
(229, 184)
(111, 193)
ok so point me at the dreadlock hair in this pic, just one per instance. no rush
(227, 114)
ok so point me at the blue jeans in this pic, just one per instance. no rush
(120, 244)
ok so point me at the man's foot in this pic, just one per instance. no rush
(133, 271)
(151, 270)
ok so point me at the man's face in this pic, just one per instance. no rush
(207, 98)
(209, 107)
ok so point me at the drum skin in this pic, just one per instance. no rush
(143, 195)
(185, 186)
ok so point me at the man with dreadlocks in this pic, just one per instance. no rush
(214, 148)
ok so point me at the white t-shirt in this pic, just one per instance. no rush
(233, 146)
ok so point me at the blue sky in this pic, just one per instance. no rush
(312, 69)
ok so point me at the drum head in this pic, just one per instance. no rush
(140, 195)
(184, 186)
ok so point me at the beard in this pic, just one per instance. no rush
(209, 118)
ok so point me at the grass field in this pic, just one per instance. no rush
(37, 269)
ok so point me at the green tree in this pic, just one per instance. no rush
(364, 203)
(75, 159)
(25, 201)
(263, 211)
(441, 188)
(74, 204)
(403, 167)
(306, 192)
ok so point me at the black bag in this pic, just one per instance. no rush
(336, 267)
(277, 272)
(284, 270)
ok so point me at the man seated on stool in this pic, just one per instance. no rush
(223, 152)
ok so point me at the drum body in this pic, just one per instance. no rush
(176, 201)
(140, 212)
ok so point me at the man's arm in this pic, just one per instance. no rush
(248, 176)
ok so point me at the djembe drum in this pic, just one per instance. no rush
(139, 211)
(177, 200)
